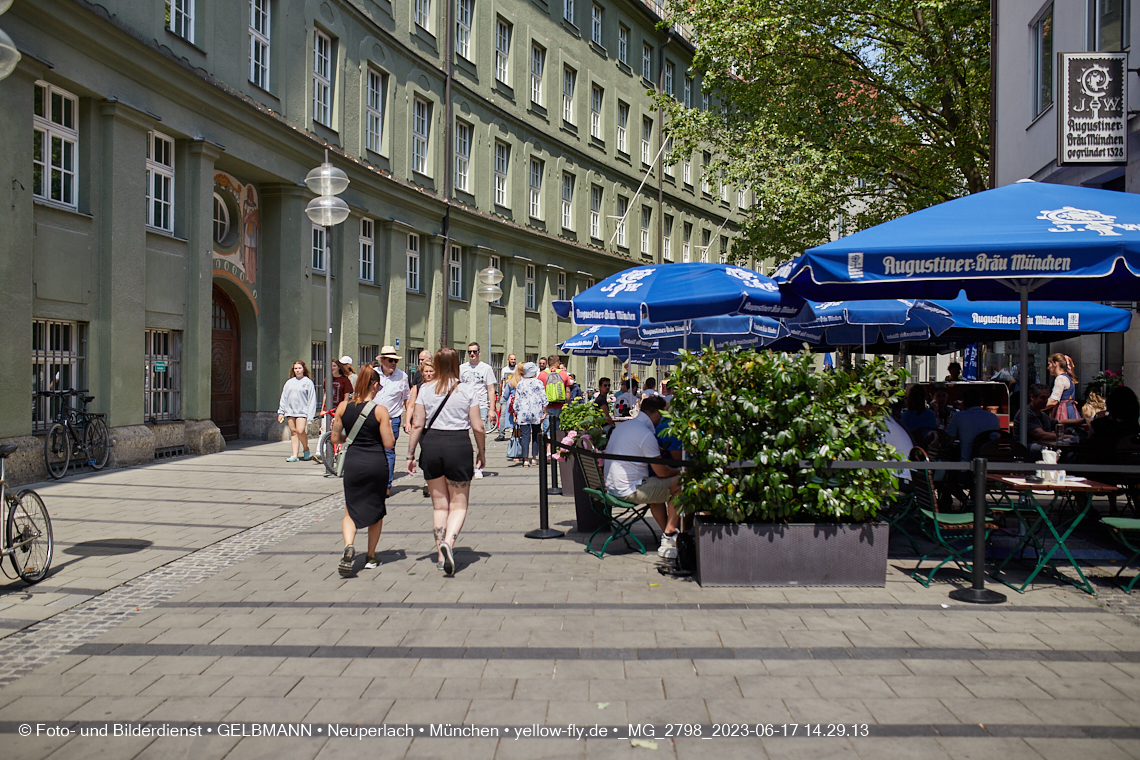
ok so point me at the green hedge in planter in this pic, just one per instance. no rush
(584, 417)
(772, 408)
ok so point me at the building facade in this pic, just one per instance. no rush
(1030, 34)
(157, 251)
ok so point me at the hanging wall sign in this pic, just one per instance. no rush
(1092, 126)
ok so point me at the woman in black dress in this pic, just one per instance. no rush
(365, 467)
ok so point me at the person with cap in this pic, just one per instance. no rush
(505, 421)
(394, 394)
(349, 372)
(530, 410)
(342, 380)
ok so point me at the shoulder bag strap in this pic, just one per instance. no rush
(367, 410)
(438, 410)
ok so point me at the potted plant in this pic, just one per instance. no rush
(581, 425)
(781, 522)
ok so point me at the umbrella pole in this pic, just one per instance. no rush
(1023, 373)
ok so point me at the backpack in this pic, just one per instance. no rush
(555, 387)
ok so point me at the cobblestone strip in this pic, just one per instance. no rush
(39, 644)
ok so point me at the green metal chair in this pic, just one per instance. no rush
(953, 534)
(620, 516)
(1126, 530)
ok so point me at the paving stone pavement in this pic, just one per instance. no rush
(234, 621)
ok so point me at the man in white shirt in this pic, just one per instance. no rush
(641, 483)
(393, 394)
(504, 418)
(479, 374)
(627, 399)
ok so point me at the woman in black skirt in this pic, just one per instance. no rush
(444, 413)
(365, 467)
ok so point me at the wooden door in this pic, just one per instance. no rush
(225, 377)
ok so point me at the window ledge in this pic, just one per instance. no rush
(623, 156)
(164, 233)
(538, 110)
(504, 89)
(648, 83)
(598, 143)
(1037, 118)
(183, 40)
(624, 67)
(571, 27)
(568, 128)
(597, 48)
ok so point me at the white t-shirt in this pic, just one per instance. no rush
(394, 391)
(455, 415)
(628, 398)
(505, 374)
(479, 376)
(635, 438)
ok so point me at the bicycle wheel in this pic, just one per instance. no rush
(328, 452)
(28, 534)
(95, 440)
(57, 450)
(492, 421)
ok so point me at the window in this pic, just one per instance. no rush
(646, 219)
(666, 240)
(741, 197)
(1108, 24)
(567, 201)
(368, 354)
(530, 293)
(412, 266)
(591, 373)
(159, 182)
(568, 10)
(502, 51)
(705, 101)
(180, 18)
(367, 249)
(318, 248)
(723, 187)
(722, 250)
(502, 164)
(670, 69)
(421, 118)
(596, 112)
(596, 212)
(537, 61)
(561, 286)
(1043, 62)
(705, 158)
(623, 209)
(596, 24)
(706, 237)
(317, 363)
(497, 263)
(58, 364)
(423, 14)
(623, 44)
(455, 273)
(55, 148)
(535, 188)
(322, 79)
(259, 43)
(686, 250)
(412, 357)
(669, 167)
(569, 77)
(221, 220)
(623, 123)
(374, 112)
(647, 62)
(463, 28)
(646, 139)
(687, 172)
(462, 154)
(162, 384)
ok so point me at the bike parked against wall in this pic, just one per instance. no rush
(75, 433)
(27, 538)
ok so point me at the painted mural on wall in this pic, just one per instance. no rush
(237, 227)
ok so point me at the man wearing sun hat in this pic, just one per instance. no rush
(393, 394)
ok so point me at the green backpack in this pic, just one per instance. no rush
(555, 388)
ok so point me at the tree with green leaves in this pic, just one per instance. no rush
(836, 113)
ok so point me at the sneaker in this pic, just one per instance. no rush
(317, 459)
(501, 437)
(307, 456)
(371, 563)
(668, 547)
(439, 565)
(448, 559)
(346, 561)
(292, 459)
(426, 493)
(478, 474)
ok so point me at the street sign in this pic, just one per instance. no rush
(160, 366)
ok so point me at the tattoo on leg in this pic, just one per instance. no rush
(453, 537)
(459, 484)
(439, 533)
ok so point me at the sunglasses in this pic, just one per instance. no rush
(390, 359)
(472, 352)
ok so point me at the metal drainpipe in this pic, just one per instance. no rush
(448, 52)
(660, 142)
(993, 91)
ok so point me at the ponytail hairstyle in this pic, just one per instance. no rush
(364, 380)
(1066, 363)
(446, 363)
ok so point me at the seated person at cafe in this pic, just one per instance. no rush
(602, 398)
(917, 414)
(967, 424)
(1042, 428)
(1121, 420)
(641, 483)
(626, 402)
(943, 409)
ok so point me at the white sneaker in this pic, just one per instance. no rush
(668, 547)
(478, 474)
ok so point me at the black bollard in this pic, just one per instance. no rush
(978, 593)
(554, 490)
(544, 530)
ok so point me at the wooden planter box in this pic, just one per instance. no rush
(799, 554)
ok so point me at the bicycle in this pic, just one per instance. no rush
(328, 451)
(492, 424)
(75, 432)
(28, 538)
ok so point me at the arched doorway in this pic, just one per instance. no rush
(225, 377)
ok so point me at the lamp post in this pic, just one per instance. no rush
(9, 55)
(327, 210)
(490, 292)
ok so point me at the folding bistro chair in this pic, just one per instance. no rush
(1127, 532)
(1001, 448)
(901, 514)
(953, 534)
(620, 516)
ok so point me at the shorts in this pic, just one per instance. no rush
(653, 490)
(447, 454)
